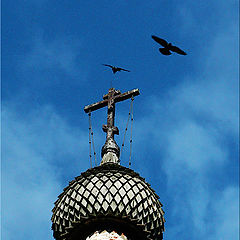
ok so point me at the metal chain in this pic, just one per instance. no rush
(129, 114)
(131, 133)
(91, 141)
(94, 152)
(90, 151)
(125, 133)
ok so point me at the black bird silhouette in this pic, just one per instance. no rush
(116, 69)
(167, 47)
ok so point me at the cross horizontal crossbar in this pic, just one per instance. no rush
(118, 98)
(95, 106)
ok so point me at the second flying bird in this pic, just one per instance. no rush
(115, 69)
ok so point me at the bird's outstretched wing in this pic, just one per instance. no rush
(165, 51)
(160, 41)
(177, 50)
(107, 65)
(124, 69)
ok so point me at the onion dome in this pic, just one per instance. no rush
(110, 197)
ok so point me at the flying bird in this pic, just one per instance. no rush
(116, 69)
(167, 47)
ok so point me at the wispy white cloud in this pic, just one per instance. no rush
(226, 211)
(190, 128)
(194, 147)
(38, 149)
(61, 54)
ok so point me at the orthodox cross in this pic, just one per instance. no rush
(110, 150)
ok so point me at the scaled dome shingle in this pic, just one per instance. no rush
(109, 190)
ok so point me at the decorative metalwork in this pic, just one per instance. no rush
(110, 150)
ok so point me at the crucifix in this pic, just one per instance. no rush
(110, 150)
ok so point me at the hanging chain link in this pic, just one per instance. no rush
(94, 152)
(91, 142)
(129, 115)
(130, 156)
(90, 150)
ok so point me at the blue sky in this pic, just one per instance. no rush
(185, 133)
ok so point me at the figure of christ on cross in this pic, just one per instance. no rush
(110, 150)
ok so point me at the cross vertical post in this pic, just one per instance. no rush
(110, 150)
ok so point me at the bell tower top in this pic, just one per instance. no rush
(110, 150)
